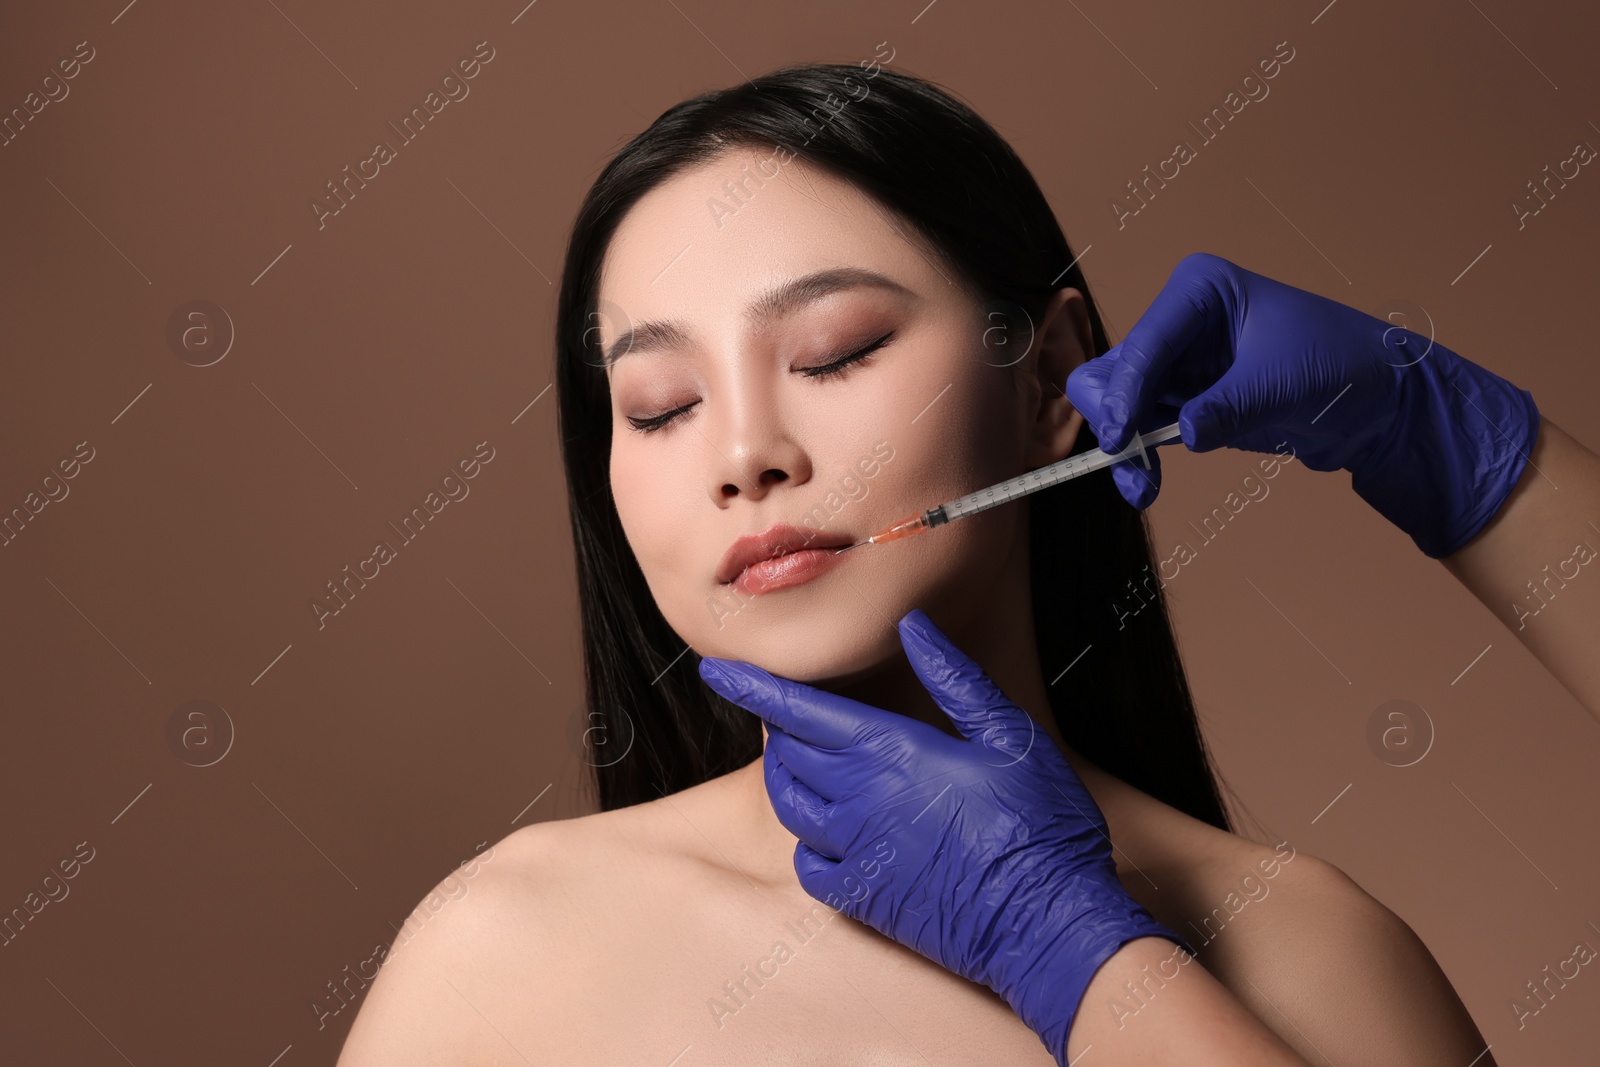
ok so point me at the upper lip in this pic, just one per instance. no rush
(779, 540)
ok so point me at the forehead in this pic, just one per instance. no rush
(703, 245)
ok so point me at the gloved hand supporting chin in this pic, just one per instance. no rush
(985, 853)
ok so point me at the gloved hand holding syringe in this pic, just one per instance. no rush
(1020, 486)
(1432, 441)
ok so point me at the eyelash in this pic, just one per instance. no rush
(836, 369)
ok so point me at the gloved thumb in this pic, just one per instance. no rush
(1224, 412)
(961, 688)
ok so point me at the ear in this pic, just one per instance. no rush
(1063, 340)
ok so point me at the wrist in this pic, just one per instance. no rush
(1454, 453)
(1092, 918)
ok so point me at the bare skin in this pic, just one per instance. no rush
(1536, 565)
(609, 939)
(675, 932)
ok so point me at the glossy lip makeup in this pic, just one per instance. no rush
(779, 557)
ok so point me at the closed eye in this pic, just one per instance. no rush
(834, 369)
(839, 366)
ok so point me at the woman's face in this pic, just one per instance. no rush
(939, 408)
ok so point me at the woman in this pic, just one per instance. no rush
(828, 299)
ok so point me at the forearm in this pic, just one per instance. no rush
(1536, 565)
(1133, 1012)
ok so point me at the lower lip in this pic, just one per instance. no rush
(781, 572)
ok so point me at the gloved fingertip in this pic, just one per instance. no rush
(923, 652)
(1137, 485)
(713, 673)
(916, 617)
(734, 679)
(916, 627)
(1188, 432)
(810, 867)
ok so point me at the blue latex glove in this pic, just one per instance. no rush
(986, 855)
(1434, 442)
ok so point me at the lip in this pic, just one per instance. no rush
(779, 557)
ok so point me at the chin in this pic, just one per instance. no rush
(823, 632)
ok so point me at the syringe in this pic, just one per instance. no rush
(1020, 486)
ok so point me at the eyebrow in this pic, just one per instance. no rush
(783, 299)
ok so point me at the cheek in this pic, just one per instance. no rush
(967, 439)
(655, 504)
(639, 501)
(955, 419)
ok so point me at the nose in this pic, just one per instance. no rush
(752, 449)
(769, 477)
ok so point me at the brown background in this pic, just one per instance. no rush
(376, 753)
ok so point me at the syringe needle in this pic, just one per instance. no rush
(904, 528)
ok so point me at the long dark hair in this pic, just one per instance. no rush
(653, 726)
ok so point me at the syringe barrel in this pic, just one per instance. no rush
(1010, 490)
(1044, 477)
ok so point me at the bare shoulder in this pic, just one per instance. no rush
(1329, 967)
(479, 971)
